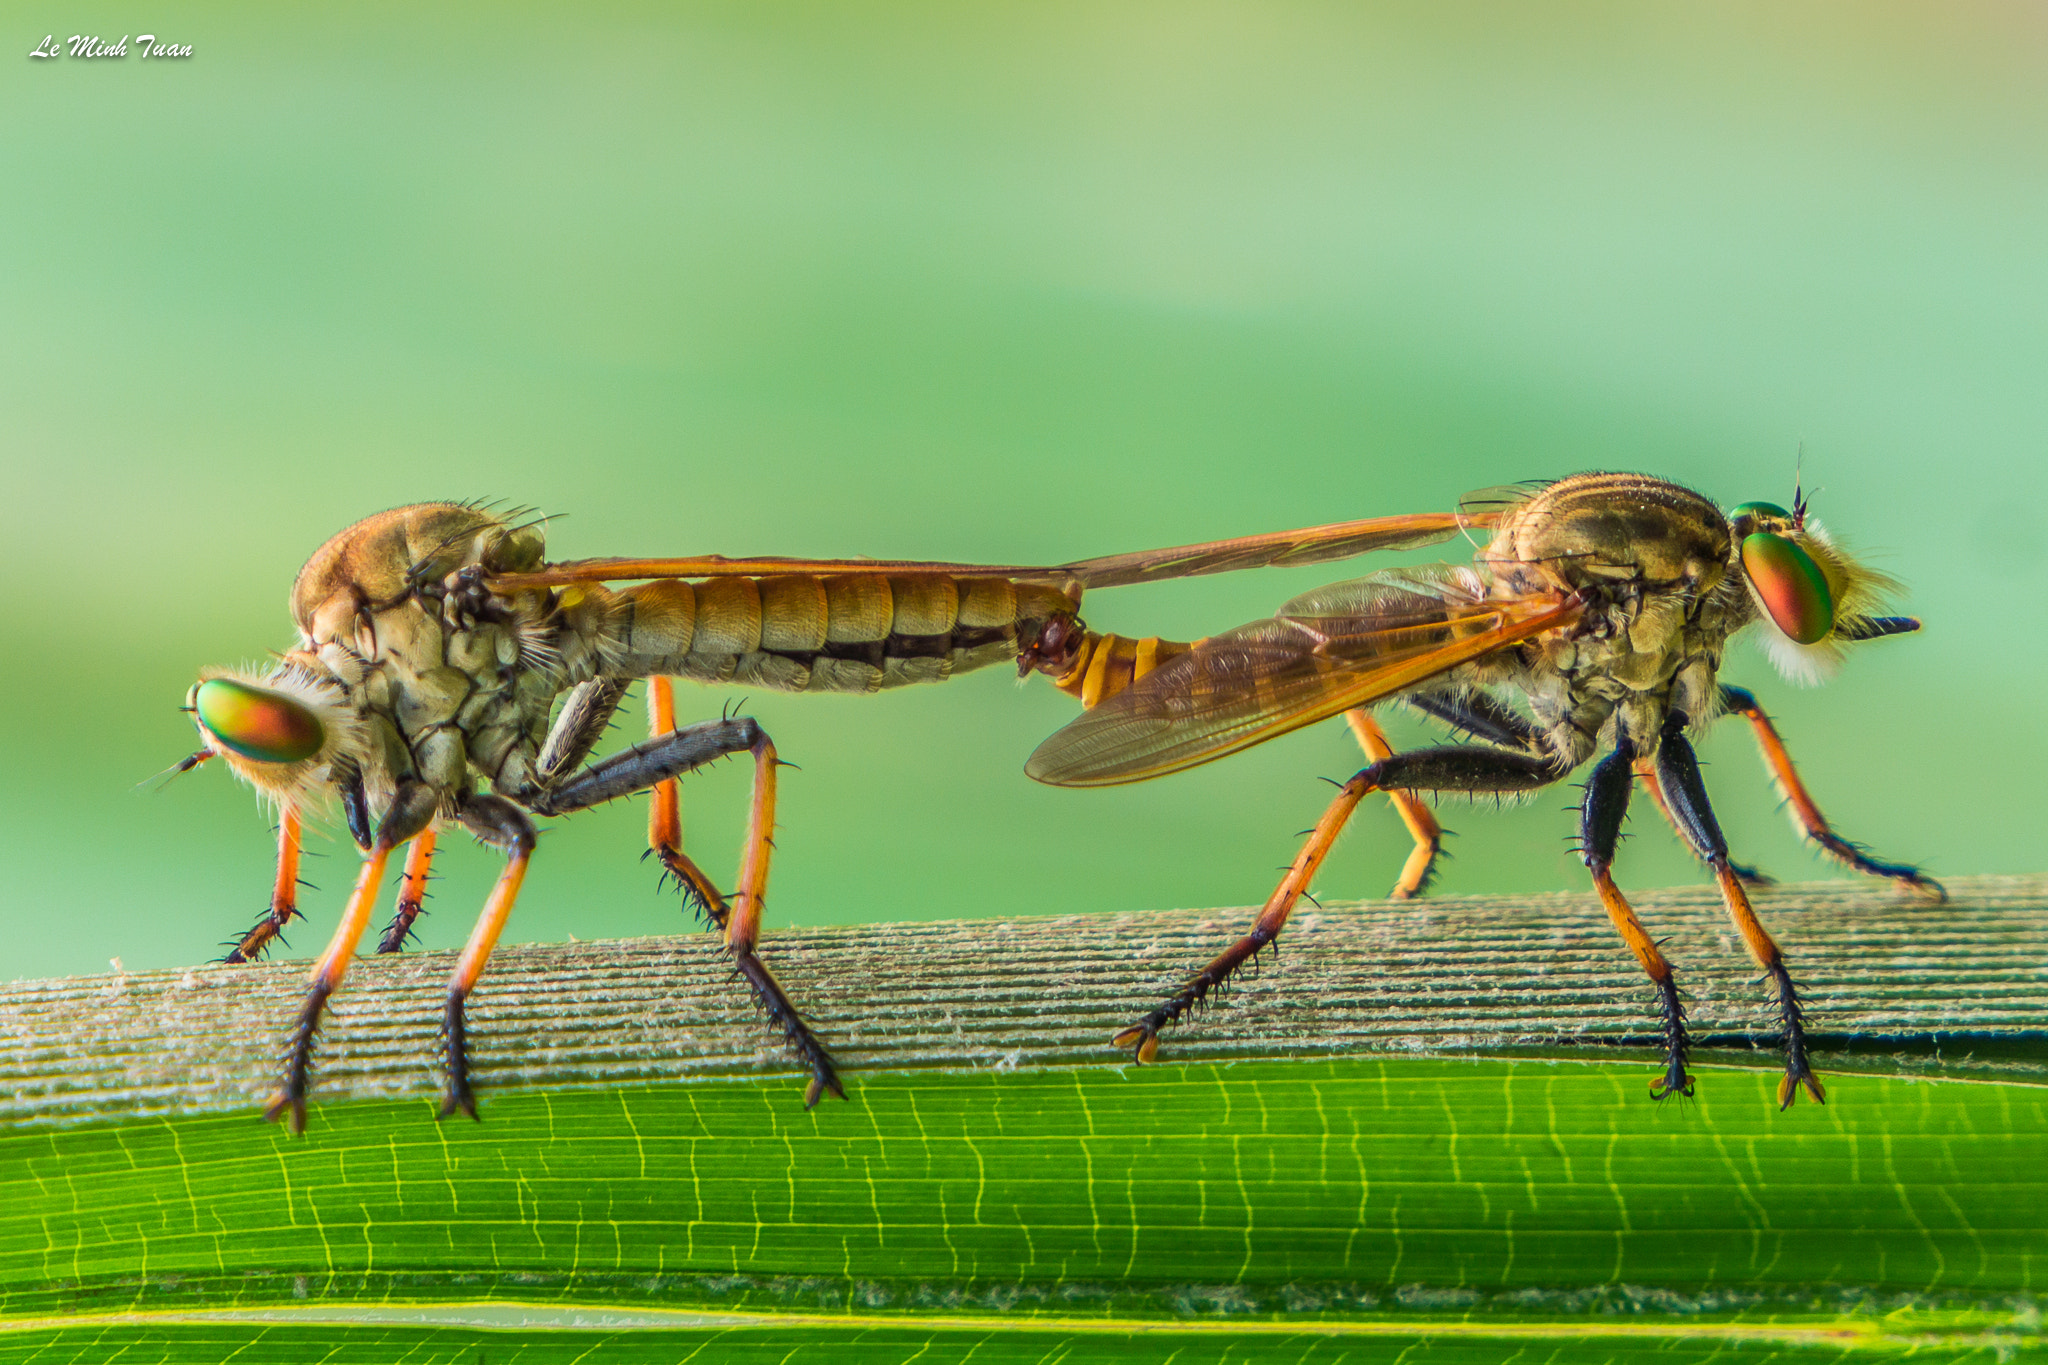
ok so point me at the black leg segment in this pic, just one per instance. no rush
(657, 760)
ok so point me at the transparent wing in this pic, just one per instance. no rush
(1312, 545)
(1342, 646)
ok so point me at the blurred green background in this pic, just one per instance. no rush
(1009, 282)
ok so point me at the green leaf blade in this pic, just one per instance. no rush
(1360, 1186)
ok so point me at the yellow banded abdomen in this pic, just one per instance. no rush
(836, 633)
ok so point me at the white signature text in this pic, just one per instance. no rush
(79, 45)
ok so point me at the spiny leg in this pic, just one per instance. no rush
(1450, 768)
(497, 822)
(743, 931)
(1680, 770)
(1600, 817)
(1805, 814)
(412, 891)
(1472, 713)
(1646, 774)
(1420, 820)
(665, 817)
(1143, 1037)
(412, 810)
(1480, 716)
(284, 893)
(643, 765)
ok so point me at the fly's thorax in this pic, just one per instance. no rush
(439, 670)
(1643, 654)
(382, 558)
(1593, 530)
(443, 692)
(825, 633)
(1650, 559)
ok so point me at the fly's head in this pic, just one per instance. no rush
(287, 732)
(1051, 646)
(1808, 595)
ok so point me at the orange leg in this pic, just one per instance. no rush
(326, 979)
(1806, 816)
(1421, 821)
(411, 811)
(1449, 768)
(665, 816)
(412, 891)
(284, 894)
(743, 930)
(1623, 916)
(1143, 1037)
(641, 768)
(495, 821)
(1764, 949)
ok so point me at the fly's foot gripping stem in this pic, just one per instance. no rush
(289, 1102)
(412, 810)
(783, 1017)
(743, 928)
(1143, 1037)
(1600, 817)
(1798, 1071)
(1676, 1080)
(654, 763)
(1685, 795)
(458, 1097)
(497, 822)
(1450, 768)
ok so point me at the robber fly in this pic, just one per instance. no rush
(1594, 619)
(444, 671)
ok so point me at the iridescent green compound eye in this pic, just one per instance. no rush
(256, 722)
(1790, 585)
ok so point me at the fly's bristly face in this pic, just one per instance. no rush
(1809, 595)
(283, 731)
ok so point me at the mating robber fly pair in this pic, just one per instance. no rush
(440, 654)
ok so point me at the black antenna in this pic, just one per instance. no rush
(1798, 486)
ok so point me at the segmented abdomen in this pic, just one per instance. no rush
(842, 633)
